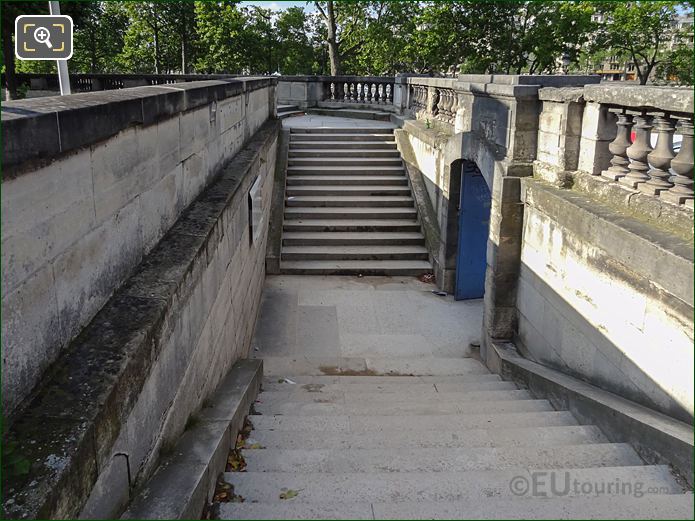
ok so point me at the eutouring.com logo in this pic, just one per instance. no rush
(554, 484)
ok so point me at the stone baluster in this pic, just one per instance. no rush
(618, 148)
(638, 152)
(388, 93)
(370, 96)
(434, 109)
(353, 92)
(660, 158)
(682, 165)
(454, 106)
(377, 95)
(360, 92)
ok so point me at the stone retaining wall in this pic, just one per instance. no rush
(91, 182)
(606, 299)
(128, 385)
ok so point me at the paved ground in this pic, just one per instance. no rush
(312, 121)
(316, 318)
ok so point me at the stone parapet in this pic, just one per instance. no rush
(44, 128)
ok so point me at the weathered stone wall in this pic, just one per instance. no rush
(91, 183)
(607, 299)
(127, 386)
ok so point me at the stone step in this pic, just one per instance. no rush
(349, 214)
(287, 107)
(355, 383)
(427, 396)
(481, 485)
(318, 131)
(469, 384)
(337, 461)
(385, 268)
(343, 423)
(352, 238)
(666, 506)
(349, 201)
(345, 169)
(286, 366)
(508, 437)
(358, 180)
(357, 138)
(338, 144)
(354, 225)
(345, 161)
(343, 190)
(342, 252)
(288, 113)
(352, 153)
(413, 408)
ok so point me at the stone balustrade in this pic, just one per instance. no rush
(661, 170)
(350, 89)
(644, 157)
(636, 137)
(434, 99)
(89, 82)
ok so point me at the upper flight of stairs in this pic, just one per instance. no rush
(459, 446)
(349, 209)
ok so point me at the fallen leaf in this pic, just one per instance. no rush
(288, 494)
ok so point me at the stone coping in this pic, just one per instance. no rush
(561, 94)
(657, 438)
(668, 99)
(377, 79)
(182, 484)
(39, 129)
(66, 430)
(543, 80)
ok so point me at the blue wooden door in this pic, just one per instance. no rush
(474, 221)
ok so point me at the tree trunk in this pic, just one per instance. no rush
(8, 55)
(333, 52)
(156, 51)
(183, 56)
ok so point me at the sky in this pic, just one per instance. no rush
(280, 5)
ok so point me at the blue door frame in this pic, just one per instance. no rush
(474, 222)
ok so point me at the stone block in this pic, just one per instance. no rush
(168, 144)
(87, 273)
(30, 319)
(161, 205)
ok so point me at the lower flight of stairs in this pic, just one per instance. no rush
(461, 445)
(349, 209)
(285, 111)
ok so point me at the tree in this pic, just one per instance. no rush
(677, 66)
(294, 53)
(640, 29)
(10, 11)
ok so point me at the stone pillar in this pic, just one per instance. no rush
(598, 130)
(400, 93)
(559, 134)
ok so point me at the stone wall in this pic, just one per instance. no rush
(606, 299)
(127, 386)
(91, 183)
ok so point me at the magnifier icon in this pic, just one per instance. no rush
(43, 35)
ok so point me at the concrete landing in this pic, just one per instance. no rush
(315, 320)
(317, 121)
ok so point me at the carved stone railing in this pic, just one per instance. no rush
(96, 82)
(644, 156)
(356, 89)
(334, 91)
(433, 99)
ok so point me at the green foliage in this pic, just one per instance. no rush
(376, 37)
(677, 66)
(638, 29)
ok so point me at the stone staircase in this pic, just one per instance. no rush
(349, 209)
(285, 111)
(453, 443)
